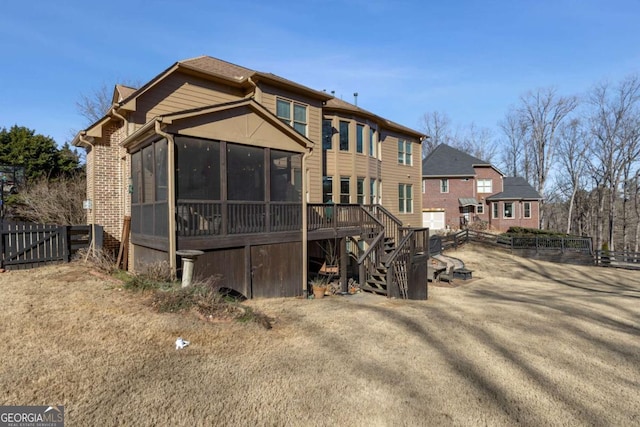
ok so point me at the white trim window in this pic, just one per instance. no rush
(298, 120)
(526, 209)
(404, 152)
(495, 210)
(484, 185)
(509, 211)
(444, 185)
(480, 209)
(405, 198)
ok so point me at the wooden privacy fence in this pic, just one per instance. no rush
(27, 245)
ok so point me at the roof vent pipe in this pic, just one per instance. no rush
(355, 98)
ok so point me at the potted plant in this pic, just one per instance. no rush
(319, 286)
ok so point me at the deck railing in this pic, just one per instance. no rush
(215, 218)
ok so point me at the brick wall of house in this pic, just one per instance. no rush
(433, 198)
(104, 170)
(497, 187)
(503, 224)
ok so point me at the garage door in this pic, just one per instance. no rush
(433, 220)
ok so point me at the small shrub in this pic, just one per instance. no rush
(98, 258)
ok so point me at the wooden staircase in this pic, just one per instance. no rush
(377, 280)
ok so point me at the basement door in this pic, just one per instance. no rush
(276, 270)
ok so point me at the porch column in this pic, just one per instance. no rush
(344, 259)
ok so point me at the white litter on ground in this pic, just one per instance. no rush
(180, 343)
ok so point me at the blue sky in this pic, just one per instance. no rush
(468, 59)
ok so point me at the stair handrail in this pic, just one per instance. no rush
(395, 231)
(376, 240)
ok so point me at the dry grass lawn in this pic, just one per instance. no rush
(525, 342)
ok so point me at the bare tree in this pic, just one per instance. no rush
(541, 113)
(53, 201)
(437, 126)
(515, 157)
(573, 146)
(614, 125)
(96, 104)
(478, 142)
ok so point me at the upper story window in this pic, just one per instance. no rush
(404, 152)
(293, 114)
(444, 185)
(372, 142)
(359, 138)
(327, 134)
(344, 136)
(485, 186)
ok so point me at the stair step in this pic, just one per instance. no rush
(379, 291)
(377, 282)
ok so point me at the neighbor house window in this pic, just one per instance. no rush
(298, 120)
(345, 184)
(480, 209)
(372, 142)
(485, 186)
(404, 152)
(494, 210)
(405, 198)
(359, 138)
(285, 171)
(360, 191)
(508, 210)
(527, 209)
(344, 136)
(327, 189)
(444, 185)
(327, 134)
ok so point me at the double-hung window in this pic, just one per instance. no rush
(345, 184)
(485, 186)
(527, 209)
(404, 152)
(293, 114)
(360, 191)
(508, 210)
(444, 185)
(405, 198)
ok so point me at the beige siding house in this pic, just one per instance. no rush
(250, 168)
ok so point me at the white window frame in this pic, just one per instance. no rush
(405, 203)
(291, 119)
(444, 185)
(405, 150)
(504, 210)
(495, 210)
(483, 184)
(480, 209)
(526, 206)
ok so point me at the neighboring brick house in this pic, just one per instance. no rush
(217, 157)
(459, 189)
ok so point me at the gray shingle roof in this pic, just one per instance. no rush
(448, 161)
(516, 188)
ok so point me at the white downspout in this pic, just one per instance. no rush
(305, 196)
(92, 245)
(171, 195)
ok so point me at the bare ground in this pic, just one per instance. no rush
(525, 342)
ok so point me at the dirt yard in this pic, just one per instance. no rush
(524, 342)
